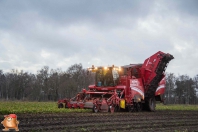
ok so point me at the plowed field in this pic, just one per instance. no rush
(161, 121)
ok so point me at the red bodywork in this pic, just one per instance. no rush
(136, 85)
(161, 88)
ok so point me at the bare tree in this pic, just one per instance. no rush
(170, 86)
(185, 90)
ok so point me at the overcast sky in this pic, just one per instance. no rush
(60, 33)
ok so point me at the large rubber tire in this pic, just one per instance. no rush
(151, 104)
(139, 107)
(95, 109)
(111, 109)
(60, 105)
(117, 108)
(131, 108)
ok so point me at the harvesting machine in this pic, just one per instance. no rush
(131, 87)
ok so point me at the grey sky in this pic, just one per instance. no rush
(60, 33)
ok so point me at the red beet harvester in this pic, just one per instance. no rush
(127, 88)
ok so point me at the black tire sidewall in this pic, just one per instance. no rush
(60, 105)
(152, 104)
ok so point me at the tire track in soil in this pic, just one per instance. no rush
(140, 121)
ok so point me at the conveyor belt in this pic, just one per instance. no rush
(159, 75)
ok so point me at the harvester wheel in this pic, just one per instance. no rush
(112, 108)
(151, 104)
(117, 108)
(95, 109)
(139, 107)
(60, 105)
(131, 108)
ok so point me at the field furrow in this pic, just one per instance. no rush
(122, 121)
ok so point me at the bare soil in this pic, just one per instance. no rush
(166, 121)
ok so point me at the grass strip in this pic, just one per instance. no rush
(19, 107)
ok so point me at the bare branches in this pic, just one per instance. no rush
(47, 84)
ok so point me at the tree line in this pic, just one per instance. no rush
(53, 84)
(181, 89)
(47, 84)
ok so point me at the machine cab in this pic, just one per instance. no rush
(106, 76)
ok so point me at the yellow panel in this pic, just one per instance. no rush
(122, 103)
